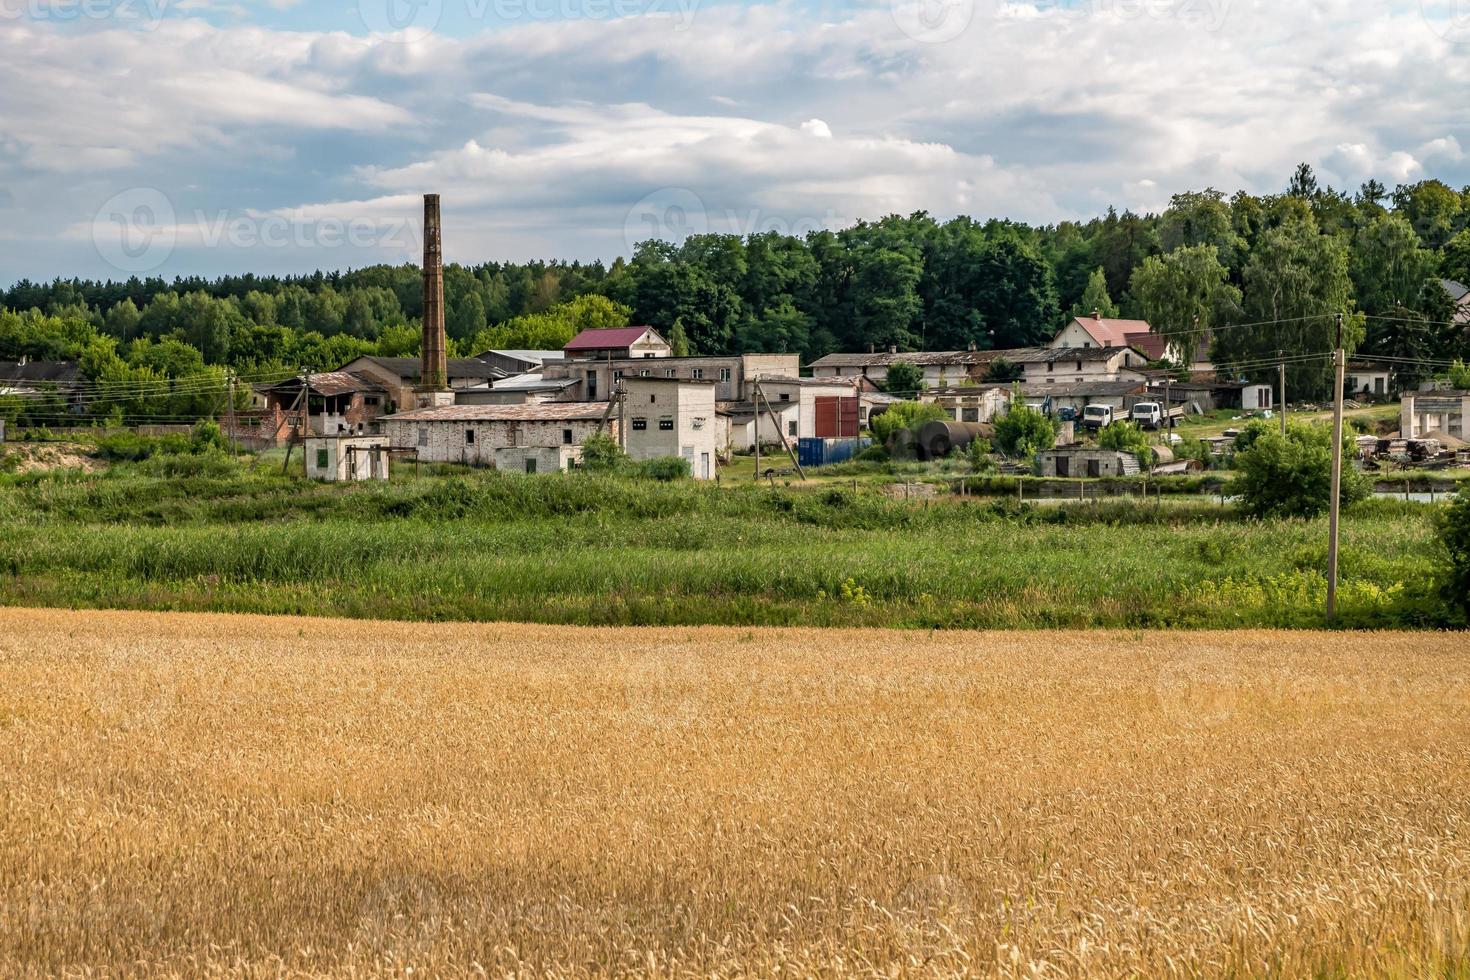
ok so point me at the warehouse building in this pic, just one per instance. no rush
(476, 434)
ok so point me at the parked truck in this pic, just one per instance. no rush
(1096, 417)
(1151, 415)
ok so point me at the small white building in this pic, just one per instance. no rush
(673, 417)
(1075, 365)
(341, 459)
(820, 403)
(1256, 398)
(472, 434)
(1366, 380)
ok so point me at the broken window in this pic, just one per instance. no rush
(423, 435)
(469, 437)
(566, 437)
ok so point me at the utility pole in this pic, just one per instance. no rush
(1339, 364)
(230, 414)
(776, 421)
(306, 422)
(1281, 368)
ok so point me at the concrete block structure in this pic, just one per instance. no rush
(1086, 461)
(537, 459)
(472, 434)
(346, 458)
(672, 417)
(1425, 414)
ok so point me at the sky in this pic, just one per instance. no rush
(183, 137)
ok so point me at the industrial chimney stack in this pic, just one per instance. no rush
(433, 365)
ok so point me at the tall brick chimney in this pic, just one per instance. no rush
(433, 364)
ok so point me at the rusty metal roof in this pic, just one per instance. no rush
(535, 412)
(329, 383)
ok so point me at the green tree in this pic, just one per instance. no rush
(678, 339)
(1202, 218)
(1125, 437)
(1185, 294)
(904, 378)
(1388, 266)
(1291, 475)
(1095, 297)
(602, 453)
(1023, 431)
(1003, 371)
(1295, 281)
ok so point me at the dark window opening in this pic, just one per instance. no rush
(640, 424)
(469, 437)
(666, 425)
(566, 437)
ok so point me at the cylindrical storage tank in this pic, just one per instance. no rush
(1163, 454)
(937, 440)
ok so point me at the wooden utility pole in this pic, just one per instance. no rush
(757, 439)
(1281, 367)
(297, 406)
(761, 397)
(306, 421)
(1339, 364)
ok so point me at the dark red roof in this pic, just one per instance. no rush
(606, 338)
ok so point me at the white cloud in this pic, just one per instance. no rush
(543, 134)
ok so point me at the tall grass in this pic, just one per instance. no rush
(586, 549)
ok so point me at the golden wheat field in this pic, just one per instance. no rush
(195, 795)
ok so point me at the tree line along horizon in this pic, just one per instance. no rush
(1284, 262)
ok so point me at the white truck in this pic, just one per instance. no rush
(1151, 415)
(1096, 417)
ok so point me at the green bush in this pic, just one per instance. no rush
(873, 454)
(665, 468)
(1291, 476)
(1454, 534)
(903, 415)
(1125, 437)
(601, 452)
(1023, 431)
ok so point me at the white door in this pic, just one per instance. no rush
(704, 473)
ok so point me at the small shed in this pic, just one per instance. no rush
(1086, 461)
(537, 459)
(340, 459)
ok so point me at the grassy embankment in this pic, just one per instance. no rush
(197, 796)
(584, 549)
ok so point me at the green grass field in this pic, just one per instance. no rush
(586, 549)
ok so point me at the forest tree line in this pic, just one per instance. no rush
(1283, 263)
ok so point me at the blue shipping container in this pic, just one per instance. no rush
(826, 452)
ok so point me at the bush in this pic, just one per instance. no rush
(1291, 476)
(1023, 431)
(904, 378)
(903, 415)
(1454, 534)
(601, 452)
(873, 454)
(1125, 437)
(665, 468)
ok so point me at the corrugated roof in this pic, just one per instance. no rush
(606, 337)
(532, 382)
(919, 358)
(542, 412)
(1054, 355)
(51, 372)
(330, 383)
(778, 379)
(1084, 388)
(407, 368)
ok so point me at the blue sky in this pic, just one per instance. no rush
(211, 136)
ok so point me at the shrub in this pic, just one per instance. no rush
(977, 454)
(665, 468)
(1291, 476)
(873, 454)
(1454, 534)
(1125, 437)
(601, 451)
(903, 415)
(208, 437)
(1023, 431)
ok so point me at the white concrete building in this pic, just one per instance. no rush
(1098, 331)
(672, 417)
(1075, 365)
(472, 434)
(815, 399)
(941, 368)
(346, 458)
(1429, 413)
